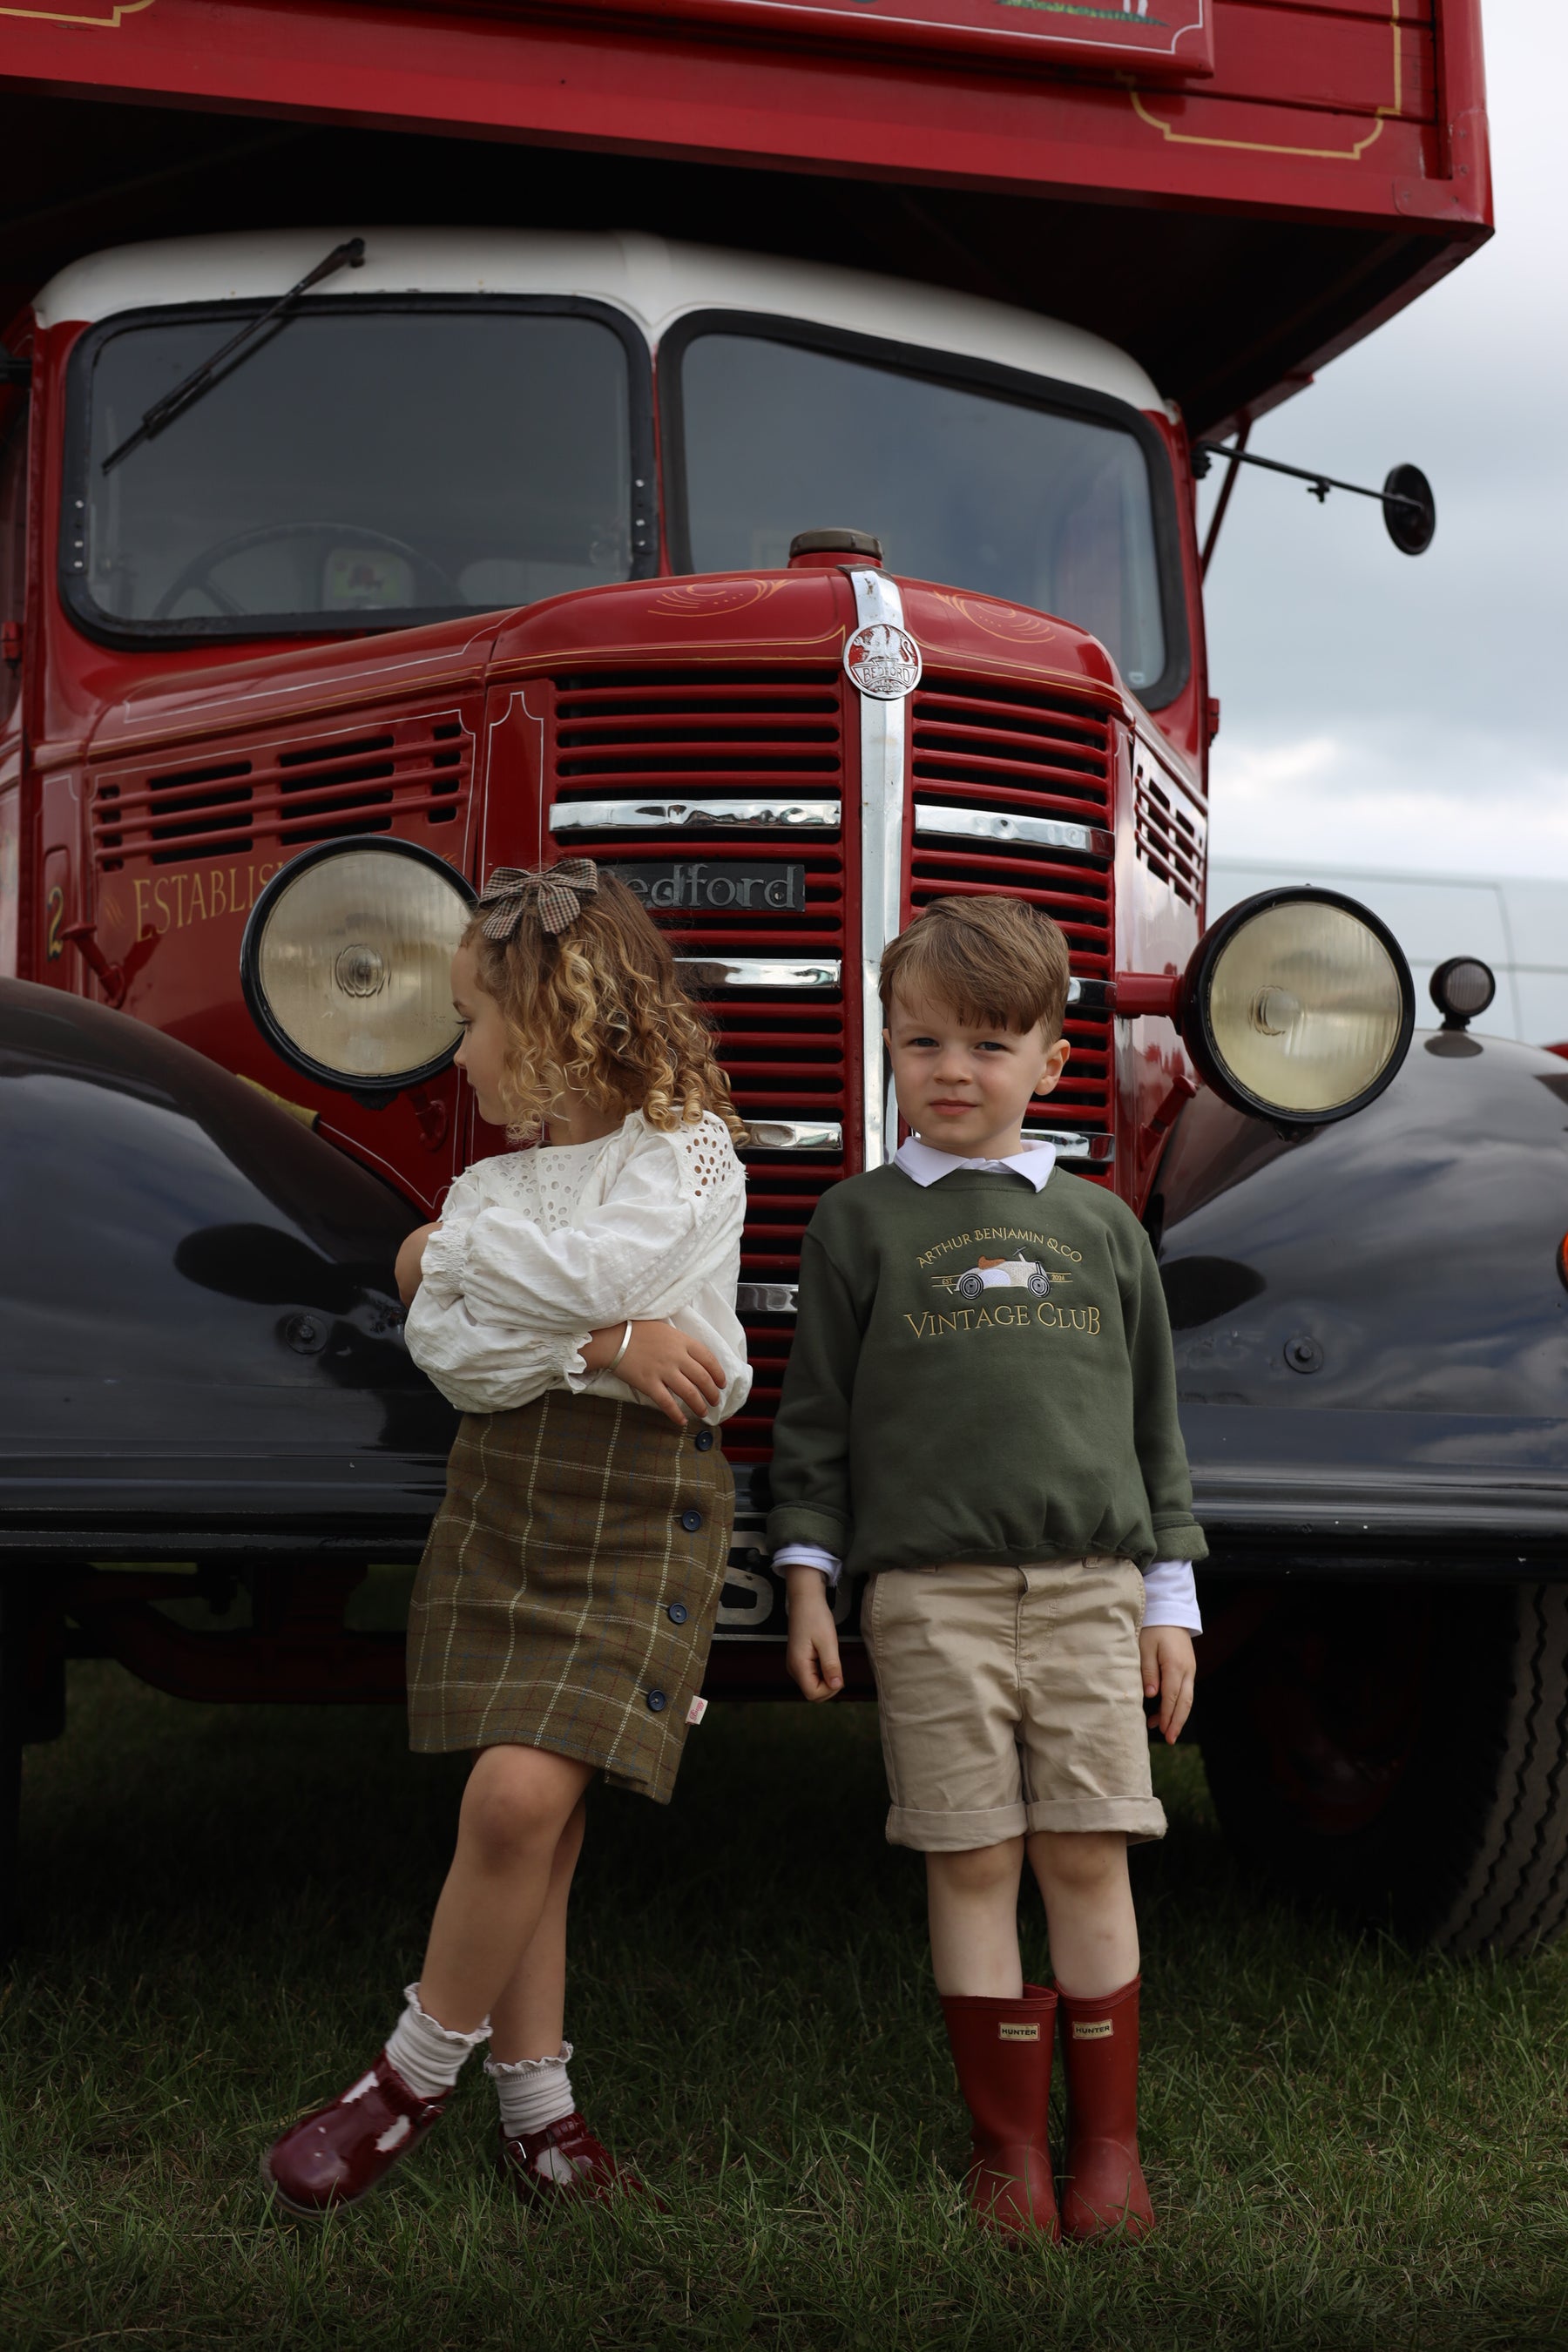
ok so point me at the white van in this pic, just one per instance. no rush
(1520, 928)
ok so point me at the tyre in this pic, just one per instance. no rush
(1040, 1285)
(1402, 1753)
(969, 1286)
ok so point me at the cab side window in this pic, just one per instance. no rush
(13, 546)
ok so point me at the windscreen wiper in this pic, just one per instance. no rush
(201, 380)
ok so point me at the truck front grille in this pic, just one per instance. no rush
(1008, 751)
(704, 769)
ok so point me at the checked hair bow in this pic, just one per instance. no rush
(556, 892)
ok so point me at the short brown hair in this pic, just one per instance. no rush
(599, 1005)
(992, 959)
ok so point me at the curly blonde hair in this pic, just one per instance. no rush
(598, 1008)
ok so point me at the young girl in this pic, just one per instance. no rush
(577, 1303)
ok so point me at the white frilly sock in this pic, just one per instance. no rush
(428, 2057)
(534, 2092)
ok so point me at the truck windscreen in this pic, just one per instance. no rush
(976, 488)
(382, 464)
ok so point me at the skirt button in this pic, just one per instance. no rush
(704, 1440)
(691, 1521)
(656, 1702)
(676, 1612)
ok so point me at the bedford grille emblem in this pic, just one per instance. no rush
(883, 661)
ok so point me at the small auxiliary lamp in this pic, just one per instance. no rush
(1462, 989)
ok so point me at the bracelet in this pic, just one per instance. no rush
(620, 1352)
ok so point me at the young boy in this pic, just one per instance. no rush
(980, 1411)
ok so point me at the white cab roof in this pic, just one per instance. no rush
(655, 282)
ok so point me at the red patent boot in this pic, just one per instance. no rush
(564, 2162)
(1103, 2189)
(341, 2152)
(1002, 2050)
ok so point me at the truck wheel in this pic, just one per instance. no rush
(969, 1286)
(1402, 1753)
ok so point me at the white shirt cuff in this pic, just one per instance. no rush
(1171, 1595)
(808, 1555)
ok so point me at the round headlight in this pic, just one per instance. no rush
(346, 963)
(1299, 1006)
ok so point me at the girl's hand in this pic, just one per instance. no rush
(812, 1655)
(682, 1377)
(411, 1261)
(1170, 1670)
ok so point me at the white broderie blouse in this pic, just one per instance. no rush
(536, 1249)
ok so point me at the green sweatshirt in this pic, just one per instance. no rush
(981, 1372)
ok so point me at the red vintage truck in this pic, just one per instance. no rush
(751, 442)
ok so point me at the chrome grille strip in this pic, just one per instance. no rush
(794, 1135)
(1099, 1150)
(756, 971)
(1007, 824)
(765, 1297)
(883, 737)
(679, 816)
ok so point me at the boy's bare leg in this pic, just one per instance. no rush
(972, 1901)
(1082, 1876)
(515, 1812)
(529, 2019)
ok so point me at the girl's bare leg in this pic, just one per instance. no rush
(515, 1810)
(529, 2019)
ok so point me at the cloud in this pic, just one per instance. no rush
(1397, 796)
(1398, 713)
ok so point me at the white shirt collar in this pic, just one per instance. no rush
(926, 1164)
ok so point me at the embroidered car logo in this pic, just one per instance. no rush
(883, 662)
(1018, 1273)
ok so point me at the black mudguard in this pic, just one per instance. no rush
(1371, 1325)
(201, 1345)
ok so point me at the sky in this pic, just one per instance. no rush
(1389, 711)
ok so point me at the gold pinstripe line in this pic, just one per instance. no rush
(88, 24)
(1264, 147)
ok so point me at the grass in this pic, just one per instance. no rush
(1350, 2148)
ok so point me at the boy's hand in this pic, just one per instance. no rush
(679, 1375)
(411, 1262)
(1170, 1670)
(813, 1653)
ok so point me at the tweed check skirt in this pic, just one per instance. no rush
(570, 1585)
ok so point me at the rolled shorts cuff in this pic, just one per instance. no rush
(1140, 1818)
(957, 1832)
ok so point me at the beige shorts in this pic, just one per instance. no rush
(1011, 1699)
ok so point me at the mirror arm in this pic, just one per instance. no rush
(1318, 484)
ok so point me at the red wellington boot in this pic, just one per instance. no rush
(1103, 2190)
(564, 2162)
(1002, 2050)
(341, 2152)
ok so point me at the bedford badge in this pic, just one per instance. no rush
(883, 661)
